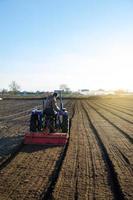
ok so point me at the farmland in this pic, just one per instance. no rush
(96, 163)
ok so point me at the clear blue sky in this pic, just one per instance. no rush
(84, 44)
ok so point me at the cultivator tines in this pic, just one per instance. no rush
(46, 138)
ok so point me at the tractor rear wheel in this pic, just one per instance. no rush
(65, 124)
(34, 123)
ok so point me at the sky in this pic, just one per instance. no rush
(84, 44)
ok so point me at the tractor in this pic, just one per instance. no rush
(47, 129)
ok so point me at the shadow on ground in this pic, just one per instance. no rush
(30, 148)
(10, 144)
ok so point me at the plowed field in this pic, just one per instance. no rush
(96, 163)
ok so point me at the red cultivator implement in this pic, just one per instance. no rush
(46, 138)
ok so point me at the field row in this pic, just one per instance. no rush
(97, 162)
(99, 157)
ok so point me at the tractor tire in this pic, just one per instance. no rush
(65, 124)
(33, 123)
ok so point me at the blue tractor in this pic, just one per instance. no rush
(40, 122)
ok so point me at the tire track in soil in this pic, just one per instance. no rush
(50, 173)
(112, 175)
(130, 139)
(83, 174)
(65, 192)
(77, 165)
(121, 163)
(71, 173)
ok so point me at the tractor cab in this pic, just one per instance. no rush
(48, 129)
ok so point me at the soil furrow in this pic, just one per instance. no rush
(66, 184)
(14, 107)
(123, 105)
(96, 163)
(123, 143)
(16, 115)
(116, 107)
(101, 178)
(112, 175)
(111, 137)
(91, 181)
(129, 137)
(125, 118)
(36, 165)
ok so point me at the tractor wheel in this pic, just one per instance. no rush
(65, 124)
(33, 123)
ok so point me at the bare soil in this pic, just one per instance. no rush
(97, 162)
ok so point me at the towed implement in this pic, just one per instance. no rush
(47, 129)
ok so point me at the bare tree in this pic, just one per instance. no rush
(3, 92)
(65, 88)
(14, 87)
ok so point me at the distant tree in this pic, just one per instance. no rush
(14, 87)
(120, 92)
(3, 92)
(37, 92)
(64, 87)
(101, 90)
